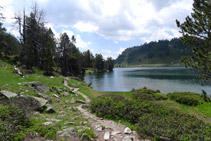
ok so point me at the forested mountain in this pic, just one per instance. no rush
(161, 52)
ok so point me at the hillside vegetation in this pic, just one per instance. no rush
(152, 114)
(162, 52)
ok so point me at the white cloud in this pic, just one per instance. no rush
(85, 27)
(118, 20)
(81, 44)
(121, 50)
(107, 51)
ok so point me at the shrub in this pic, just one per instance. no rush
(187, 98)
(90, 135)
(173, 125)
(145, 94)
(12, 121)
(118, 107)
(47, 132)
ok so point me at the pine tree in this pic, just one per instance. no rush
(109, 64)
(49, 52)
(196, 31)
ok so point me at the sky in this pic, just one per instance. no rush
(106, 26)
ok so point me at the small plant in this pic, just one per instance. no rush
(47, 132)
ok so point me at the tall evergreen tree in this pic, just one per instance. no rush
(196, 31)
(99, 63)
(109, 64)
(49, 53)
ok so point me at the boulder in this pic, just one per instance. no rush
(65, 94)
(38, 86)
(107, 135)
(70, 130)
(55, 95)
(50, 109)
(128, 138)
(80, 101)
(59, 90)
(115, 133)
(45, 97)
(65, 134)
(127, 130)
(42, 102)
(48, 123)
(16, 70)
(8, 94)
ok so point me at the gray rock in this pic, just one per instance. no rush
(52, 119)
(7, 94)
(58, 132)
(16, 70)
(70, 129)
(42, 102)
(127, 130)
(107, 135)
(99, 127)
(115, 133)
(50, 109)
(80, 101)
(128, 138)
(59, 90)
(65, 94)
(45, 97)
(38, 86)
(55, 95)
(65, 134)
(48, 123)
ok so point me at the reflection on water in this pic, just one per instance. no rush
(166, 79)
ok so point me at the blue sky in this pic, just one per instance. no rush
(106, 26)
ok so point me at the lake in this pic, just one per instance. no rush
(166, 79)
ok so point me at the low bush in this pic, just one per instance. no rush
(145, 94)
(173, 125)
(47, 132)
(12, 121)
(118, 107)
(152, 119)
(187, 98)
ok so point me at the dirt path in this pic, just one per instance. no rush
(106, 130)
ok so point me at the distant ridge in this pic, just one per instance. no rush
(168, 52)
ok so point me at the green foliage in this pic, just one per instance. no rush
(161, 52)
(90, 134)
(118, 107)
(187, 98)
(173, 125)
(145, 94)
(109, 64)
(99, 63)
(152, 119)
(12, 122)
(47, 132)
(196, 34)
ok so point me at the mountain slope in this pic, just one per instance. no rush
(161, 52)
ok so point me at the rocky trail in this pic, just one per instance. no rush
(106, 130)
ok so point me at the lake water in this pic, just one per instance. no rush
(166, 79)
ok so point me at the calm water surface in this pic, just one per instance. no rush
(166, 79)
